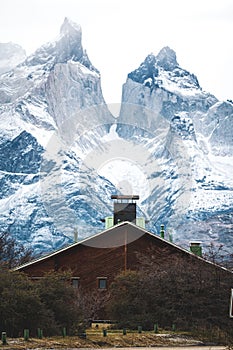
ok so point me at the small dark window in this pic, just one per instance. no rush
(75, 282)
(102, 283)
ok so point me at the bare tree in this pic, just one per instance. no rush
(11, 253)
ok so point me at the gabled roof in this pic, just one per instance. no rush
(104, 239)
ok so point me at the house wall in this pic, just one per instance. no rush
(111, 252)
(108, 255)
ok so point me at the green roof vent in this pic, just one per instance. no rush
(195, 248)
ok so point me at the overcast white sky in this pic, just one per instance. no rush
(119, 34)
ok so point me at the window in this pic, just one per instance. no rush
(75, 282)
(102, 282)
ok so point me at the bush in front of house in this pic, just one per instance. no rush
(190, 295)
(48, 304)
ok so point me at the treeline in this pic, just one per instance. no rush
(180, 295)
(174, 294)
(48, 304)
(188, 301)
(187, 293)
(173, 291)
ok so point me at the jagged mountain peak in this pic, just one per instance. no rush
(67, 47)
(150, 60)
(166, 58)
(147, 70)
(69, 27)
(164, 71)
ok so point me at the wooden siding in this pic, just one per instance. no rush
(107, 254)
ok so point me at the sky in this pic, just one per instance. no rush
(119, 34)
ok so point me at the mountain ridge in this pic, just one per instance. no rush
(171, 142)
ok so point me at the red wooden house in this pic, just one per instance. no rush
(95, 261)
(125, 244)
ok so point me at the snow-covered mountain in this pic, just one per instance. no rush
(48, 103)
(63, 153)
(188, 133)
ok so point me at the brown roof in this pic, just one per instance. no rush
(116, 236)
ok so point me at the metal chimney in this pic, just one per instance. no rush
(124, 208)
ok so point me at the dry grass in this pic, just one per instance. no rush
(96, 339)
